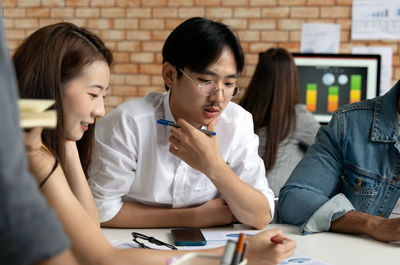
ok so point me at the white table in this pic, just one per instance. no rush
(332, 248)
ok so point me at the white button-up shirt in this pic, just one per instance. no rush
(131, 161)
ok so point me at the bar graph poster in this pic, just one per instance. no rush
(324, 89)
(376, 20)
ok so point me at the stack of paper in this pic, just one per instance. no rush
(34, 113)
(194, 258)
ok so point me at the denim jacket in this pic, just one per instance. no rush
(353, 165)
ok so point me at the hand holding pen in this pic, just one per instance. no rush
(193, 146)
(278, 239)
(262, 250)
(174, 124)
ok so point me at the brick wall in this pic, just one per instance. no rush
(136, 29)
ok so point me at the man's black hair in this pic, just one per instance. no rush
(198, 42)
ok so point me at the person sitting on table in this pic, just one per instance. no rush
(29, 230)
(72, 66)
(148, 175)
(349, 180)
(284, 126)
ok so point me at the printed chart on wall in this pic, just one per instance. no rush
(375, 20)
(335, 87)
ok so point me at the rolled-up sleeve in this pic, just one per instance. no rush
(309, 198)
(113, 163)
(321, 220)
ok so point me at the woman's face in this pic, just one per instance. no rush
(83, 99)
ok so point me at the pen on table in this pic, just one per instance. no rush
(239, 250)
(171, 123)
(228, 253)
(278, 239)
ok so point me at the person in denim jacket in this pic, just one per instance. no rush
(349, 180)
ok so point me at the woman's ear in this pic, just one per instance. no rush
(168, 74)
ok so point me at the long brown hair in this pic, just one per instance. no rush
(271, 98)
(46, 62)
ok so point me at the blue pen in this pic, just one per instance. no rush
(171, 123)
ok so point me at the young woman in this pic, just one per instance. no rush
(285, 127)
(72, 66)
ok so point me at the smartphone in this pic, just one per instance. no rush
(188, 237)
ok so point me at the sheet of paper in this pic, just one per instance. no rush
(194, 258)
(123, 244)
(386, 64)
(375, 20)
(320, 38)
(300, 259)
(225, 235)
(218, 239)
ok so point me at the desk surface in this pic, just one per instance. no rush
(331, 248)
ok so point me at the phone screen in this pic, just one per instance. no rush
(188, 236)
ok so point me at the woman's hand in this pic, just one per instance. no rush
(262, 251)
(33, 140)
(40, 160)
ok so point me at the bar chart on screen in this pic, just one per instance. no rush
(329, 81)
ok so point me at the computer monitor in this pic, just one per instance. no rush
(328, 81)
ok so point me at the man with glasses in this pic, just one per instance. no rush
(144, 174)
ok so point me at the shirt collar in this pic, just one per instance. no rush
(167, 110)
(384, 127)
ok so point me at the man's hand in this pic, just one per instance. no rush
(262, 251)
(197, 149)
(386, 230)
(213, 213)
(379, 228)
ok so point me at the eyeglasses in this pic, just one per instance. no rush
(209, 88)
(150, 239)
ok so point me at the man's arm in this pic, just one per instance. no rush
(248, 205)
(313, 183)
(200, 151)
(212, 213)
(377, 227)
